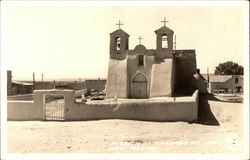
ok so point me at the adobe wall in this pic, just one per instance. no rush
(117, 83)
(23, 110)
(171, 111)
(186, 110)
(185, 68)
(22, 97)
(133, 69)
(198, 84)
(34, 110)
(69, 98)
(162, 85)
(79, 93)
(175, 110)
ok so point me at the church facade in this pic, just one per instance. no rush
(146, 73)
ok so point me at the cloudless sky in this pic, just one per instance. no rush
(72, 42)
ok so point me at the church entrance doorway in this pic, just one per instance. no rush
(139, 86)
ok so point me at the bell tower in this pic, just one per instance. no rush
(117, 82)
(164, 42)
(119, 41)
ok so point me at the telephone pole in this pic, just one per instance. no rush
(34, 82)
(175, 42)
(207, 74)
(54, 84)
(42, 77)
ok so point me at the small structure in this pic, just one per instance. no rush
(22, 87)
(224, 83)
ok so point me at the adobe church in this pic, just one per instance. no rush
(146, 73)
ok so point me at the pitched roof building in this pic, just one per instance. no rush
(224, 83)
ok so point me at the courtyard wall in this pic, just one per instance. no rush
(152, 110)
(183, 110)
(23, 110)
(21, 97)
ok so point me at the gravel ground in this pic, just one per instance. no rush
(219, 130)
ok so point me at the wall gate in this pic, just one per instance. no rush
(54, 106)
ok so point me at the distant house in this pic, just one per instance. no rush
(224, 83)
(22, 87)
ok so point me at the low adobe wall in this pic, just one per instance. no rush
(22, 110)
(185, 110)
(24, 97)
(178, 110)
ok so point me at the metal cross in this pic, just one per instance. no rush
(119, 24)
(140, 38)
(164, 21)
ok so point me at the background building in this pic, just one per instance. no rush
(224, 83)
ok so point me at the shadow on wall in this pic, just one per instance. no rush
(205, 115)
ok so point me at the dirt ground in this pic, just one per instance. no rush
(219, 129)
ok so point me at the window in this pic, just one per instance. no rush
(140, 60)
(236, 80)
(118, 44)
(164, 41)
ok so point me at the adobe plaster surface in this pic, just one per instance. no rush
(157, 109)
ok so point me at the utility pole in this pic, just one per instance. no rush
(207, 75)
(85, 84)
(208, 85)
(34, 82)
(42, 77)
(54, 85)
(174, 42)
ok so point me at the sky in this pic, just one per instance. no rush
(72, 42)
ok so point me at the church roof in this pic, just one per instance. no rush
(164, 29)
(119, 32)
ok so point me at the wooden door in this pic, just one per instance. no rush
(139, 86)
(139, 90)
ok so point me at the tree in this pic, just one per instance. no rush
(229, 68)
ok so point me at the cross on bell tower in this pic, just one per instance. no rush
(164, 41)
(164, 21)
(119, 24)
(140, 38)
